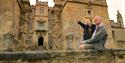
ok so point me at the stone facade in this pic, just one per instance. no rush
(39, 24)
(118, 31)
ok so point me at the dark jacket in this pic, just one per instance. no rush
(88, 30)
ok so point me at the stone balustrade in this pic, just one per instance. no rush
(72, 56)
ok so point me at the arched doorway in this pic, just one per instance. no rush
(40, 41)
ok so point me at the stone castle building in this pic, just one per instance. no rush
(59, 25)
(41, 34)
(39, 27)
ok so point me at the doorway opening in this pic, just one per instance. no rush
(40, 41)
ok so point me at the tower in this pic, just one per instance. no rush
(14, 25)
(79, 10)
(40, 24)
(120, 19)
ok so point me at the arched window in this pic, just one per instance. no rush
(40, 41)
(89, 12)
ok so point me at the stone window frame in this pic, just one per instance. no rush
(87, 9)
(42, 10)
(113, 34)
(89, 12)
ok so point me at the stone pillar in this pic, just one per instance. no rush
(24, 25)
(56, 28)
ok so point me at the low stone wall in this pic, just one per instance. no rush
(74, 56)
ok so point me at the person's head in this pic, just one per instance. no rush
(97, 20)
(88, 22)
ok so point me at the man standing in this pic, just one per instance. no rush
(98, 39)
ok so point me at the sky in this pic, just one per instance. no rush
(113, 6)
(50, 2)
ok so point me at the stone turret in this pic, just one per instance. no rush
(120, 19)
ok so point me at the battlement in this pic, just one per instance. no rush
(42, 3)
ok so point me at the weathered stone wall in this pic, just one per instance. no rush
(55, 30)
(24, 23)
(109, 56)
(9, 23)
(118, 36)
(14, 23)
